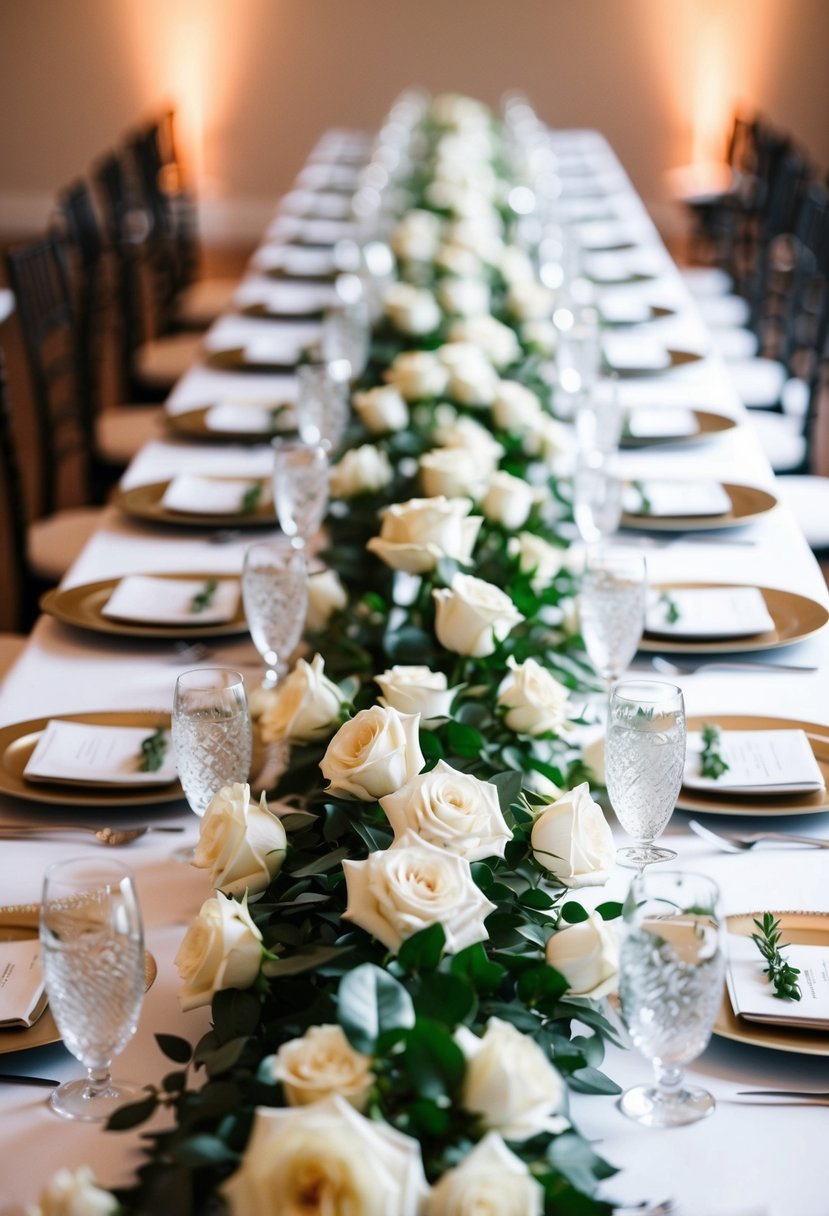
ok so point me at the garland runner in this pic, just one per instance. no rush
(402, 990)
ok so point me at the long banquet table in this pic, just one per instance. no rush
(748, 1158)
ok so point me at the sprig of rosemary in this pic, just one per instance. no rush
(153, 750)
(672, 613)
(645, 504)
(250, 499)
(711, 762)
(204, 596)
(780, 973)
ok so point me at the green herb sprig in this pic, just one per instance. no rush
(672, 612)
(645, 504)
(711, 762)
(251, 497)
(780, 973)
(153, 750)
(204, 596)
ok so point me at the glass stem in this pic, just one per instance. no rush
(668, 1083)
(97, 1081)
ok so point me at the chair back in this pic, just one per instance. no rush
(17, 605)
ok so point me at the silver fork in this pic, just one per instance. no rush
(806, 1097)
(688, 669)
(739, 842)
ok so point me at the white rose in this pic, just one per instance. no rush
(326, 595)
(464, 297)
(75, 1193)
(362, 470)
(516, 409)
(490, 1181)
(508, 500)
(572, 841)
(414, 535)
(510, 1082)
(530, 301)
(452, 810)
(540, 337)
(323, 1062)
(496, 340)
(417, 236)
(516, 265)
(592, 755)
(241, 843)
(221, 949)
(417, 690)
(554, 442)
(455, 259)
(448, 472)
(458, 110)
(535, 701)
(587, 955)
(373, 754)
(461, 431)
(306, 707)
(472, 380)
(381, 410)
(473, 616)
(537, 556)
(325, 1159)
(396, 892)
(417, 374)
(411, 310)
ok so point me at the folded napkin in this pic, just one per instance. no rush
(171, 601)
(753, 998)
(81, 752)
(22, 996)
(292, 259)
(759, 762)
(286, 298)
(617, 308)
(708, 612)
(662, 423)
(604, 234)
(675, 498)
(635, 353)
(196, 495)
(273, 348)
(618, 265)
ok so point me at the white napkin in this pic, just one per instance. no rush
(291, 259)
(615, 266)
(288, 298)
(79, 752)
(169, 601)
(604, 234)
(206, 495)
(759, 762)
(618, 308)
(675, 498)
(273, 348)
(635, 353)
(241, 417)
(752, 996)
(658, 423)
(22, 996)
(709, 612)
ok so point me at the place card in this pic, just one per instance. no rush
(635, 353)
(196, 495)
(22, 995)
(244, 417)
(708, 612)
(759, 762)
(675, 498)
(110, 755)
(171, 601)
(752, 996)
(661, 423)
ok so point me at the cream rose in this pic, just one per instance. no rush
(414, 535)
(452, 810)
(362, 470)
(326, 595)
(472, 380)
(473, 616)
(530, 301)
(381, 409)
(455, 259)
(541, 337)
(74, 1193)
(241, 843)
(323, 1062)
(416, 690)
(464, 297)
(326, 1159)
(307, 705)
(418, 374)
(490, 1181)
(572, 841)
(411, 310)
(397, 892)
(461, 431)
(535, 701)
(515, 265)
(537, 557)
(516, 409)
(510, 1082)
(417, 236)
(587, 955)
(221, 949)
(448, 472)
(493, 337)
(508, 500)
(373, 754)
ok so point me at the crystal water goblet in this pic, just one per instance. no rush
(321, 406)
(92, 947)
(598, 417)
(597, 497)
(644, 762)
(611, 603)
(346, 335)
(275, 595)
(671, 972)
(300, 488)
(211, 729)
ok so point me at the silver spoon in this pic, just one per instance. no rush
(688, 669)
(114, 837)
(739, 842)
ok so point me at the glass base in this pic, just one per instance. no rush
(640, 855)
(650, 1106)
(80, 1100)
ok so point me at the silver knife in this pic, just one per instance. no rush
(12, 1078)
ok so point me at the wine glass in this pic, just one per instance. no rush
(597, 497)
(345, 336)
(275, 594)
(612, 610)
(671, 971)
(644, 762)
(300, 488)
(211, 732)
(321, 406)
(598, 417)
(92, 945)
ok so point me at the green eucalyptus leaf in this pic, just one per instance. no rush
(573, 913)
(446, 998)
(473, 965)
(323, 864)
(537, 899)
(203, 1150)
(422, 951)
(575, 1159)
(432, 1061)
(609, 910)
(541, 986)
(590, 1081)
(225, 1057)
(303, 960)
(235, 1013)
(464, 740)
(126, 1117)
(176, 1049)
(369, 1002)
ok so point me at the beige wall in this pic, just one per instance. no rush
(257, 80)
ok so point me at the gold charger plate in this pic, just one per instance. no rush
(803, 928)
(795, 618)
(18, 741)
(82, 606)
(747, 804)
(192, 425)
(281, 314)
(232, 358)
(708, 424)
(747, 504)
(144, 502)
(44, 1031)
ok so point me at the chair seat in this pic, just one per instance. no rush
(160, 363)
(56, 541)
(723, 312)
(759, 382)
(782, 440)
(706, 281)
(808, 497)
(198, 305)
(735, 344)
(122, 432)
(12, 646)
